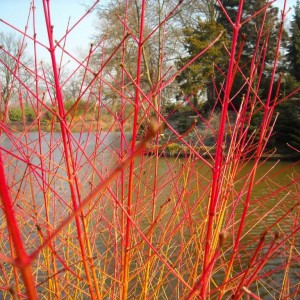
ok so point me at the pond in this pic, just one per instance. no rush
(168, 210)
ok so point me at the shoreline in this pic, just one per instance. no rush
(186, 154)
(171, 150)
(75, 127)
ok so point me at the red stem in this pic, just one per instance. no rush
(22, 259)
(215, 190)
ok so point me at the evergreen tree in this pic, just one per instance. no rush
(288, 122)
(202, 73)
(258, 27)
(287, 127)
(293, 54)
(250, 30)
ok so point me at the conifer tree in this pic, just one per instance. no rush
(258, 28)
(199, 76)
(293, 54)
(288, 122)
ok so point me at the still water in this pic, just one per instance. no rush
(169, 205)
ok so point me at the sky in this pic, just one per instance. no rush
(16, 13)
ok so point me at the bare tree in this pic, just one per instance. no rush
(116, 19)
(13, 66)
(167, 42)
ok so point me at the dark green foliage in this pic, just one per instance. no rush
(256, 33)
(15, 114)
(76, 108)
(29, 114)
(48, 116)
(293, 54)
(184, 124)
(201, 73)
(287, 127)
(252, 31)
(288, 122)
(170, 107)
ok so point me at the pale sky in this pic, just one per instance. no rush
(16, 13)
(289, 3)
